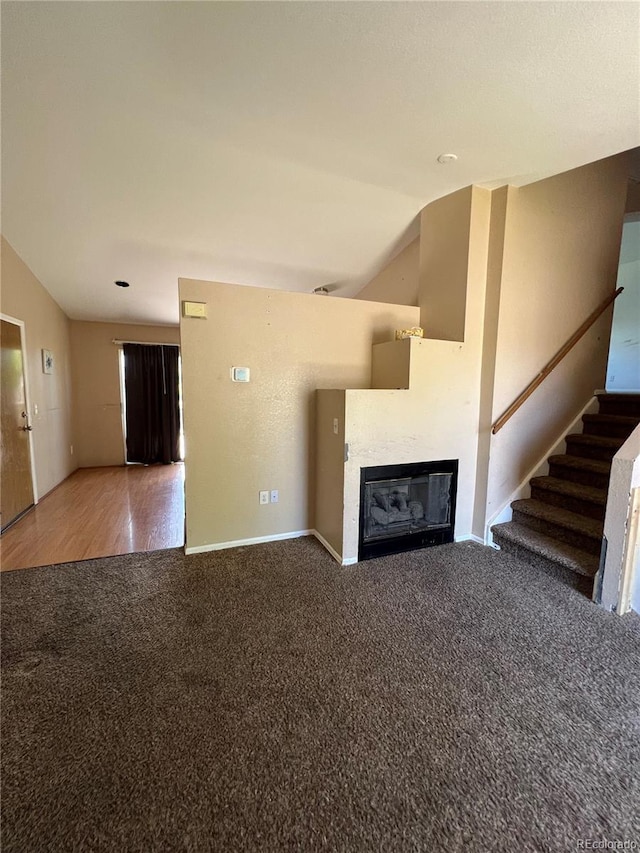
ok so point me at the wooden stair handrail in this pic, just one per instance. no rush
(555, 361)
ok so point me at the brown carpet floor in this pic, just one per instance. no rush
(264, 699)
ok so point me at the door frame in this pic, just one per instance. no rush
(123, 403)
(123, 392)
(27, 397)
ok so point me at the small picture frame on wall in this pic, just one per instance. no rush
(47, 361)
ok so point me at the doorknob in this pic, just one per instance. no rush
(26, 428)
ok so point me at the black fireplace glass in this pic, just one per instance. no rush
(406, 506)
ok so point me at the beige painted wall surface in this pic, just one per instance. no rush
(46, 326)
(435, 420)
(438, 417)
(633, 197)
(330, 467)
(242, 438)
(398, 281)
(499, 202)
(444, 258)
(96, 386)
(391, 364)
(561, 248)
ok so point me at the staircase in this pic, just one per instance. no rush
(562, 522)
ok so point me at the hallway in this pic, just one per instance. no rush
(100, 512)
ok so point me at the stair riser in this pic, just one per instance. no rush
(628, 408)
(577, 475)
(590, 451)
(579, 582)
(556, 531)
(607, 430)
(573, 504)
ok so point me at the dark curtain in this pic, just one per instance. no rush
(153, 412)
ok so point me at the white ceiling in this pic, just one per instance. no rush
(285, 145)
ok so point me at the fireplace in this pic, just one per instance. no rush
(403, 507)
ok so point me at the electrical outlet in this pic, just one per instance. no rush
(264, 497)
(274, 496)
(335, 426)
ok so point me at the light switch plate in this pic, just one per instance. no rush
(240, 374)
(194, 309)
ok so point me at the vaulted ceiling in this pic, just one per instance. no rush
(285, 145)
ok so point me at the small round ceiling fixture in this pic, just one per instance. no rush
(121, 283)
(447, 158)
(321, 291)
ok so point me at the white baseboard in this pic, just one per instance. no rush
(350, 561)
(296, 534)
(540, 469)
(257, 540)
(469, 537)
(329, 547)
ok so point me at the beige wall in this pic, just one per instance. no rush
(242, 438)
(522, 268)
(499, 203)
(330, 438)
(437, 417)
(552, 258)
(398, 281)
(96, 386)
(46, 326)
(391, 364)
(633, 197)
(561, 247)
(444, 265)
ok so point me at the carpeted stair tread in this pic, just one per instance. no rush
(588, 527)
(562, 522)
(595, 466)
(603, 441)
(616, 420)
(609, 425)
(617, 395)
(573, 490)
(594, 446)
(568, 460)
(544, 546)
(619, 404)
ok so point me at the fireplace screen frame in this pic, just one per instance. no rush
(422, 535)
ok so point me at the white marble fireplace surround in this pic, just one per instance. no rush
(418, 409)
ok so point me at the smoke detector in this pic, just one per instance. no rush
(443, 159)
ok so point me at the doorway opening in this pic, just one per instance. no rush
(18, 492)
(100, 511)
(151, 403)
(623, 366)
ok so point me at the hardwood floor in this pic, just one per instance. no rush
(100, 512)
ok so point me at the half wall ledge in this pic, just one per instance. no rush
(414, 413)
